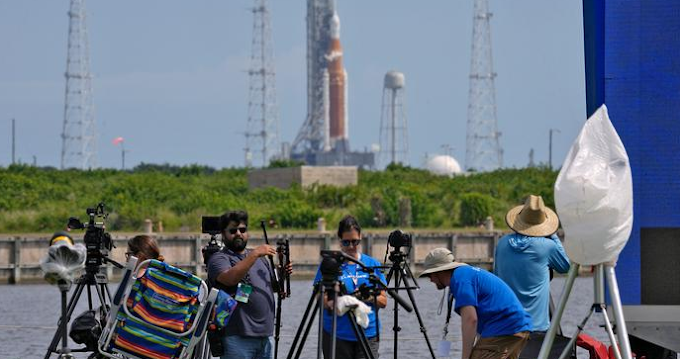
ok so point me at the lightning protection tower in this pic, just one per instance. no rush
(262, 134)
(483, 151)
(393, 129)
(79, 133)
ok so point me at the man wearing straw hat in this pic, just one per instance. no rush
(486, 305)
(525, 258)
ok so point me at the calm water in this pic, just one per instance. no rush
(30, 312)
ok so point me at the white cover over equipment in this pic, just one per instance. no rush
(594, 194)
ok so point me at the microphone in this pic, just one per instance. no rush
(397, 298)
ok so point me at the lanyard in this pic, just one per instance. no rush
(232, 255)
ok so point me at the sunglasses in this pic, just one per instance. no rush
(128, 254)
(239, 229)
(348, 242)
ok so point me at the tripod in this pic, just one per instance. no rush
(318, 293)
(402, 272)
(92, 278)
(601, 271)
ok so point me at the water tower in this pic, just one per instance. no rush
(393, 130)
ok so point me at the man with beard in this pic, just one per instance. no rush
(246, 275)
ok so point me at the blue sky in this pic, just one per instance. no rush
(169, 75)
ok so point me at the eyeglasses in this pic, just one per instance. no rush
(348, 242)
(239, 229)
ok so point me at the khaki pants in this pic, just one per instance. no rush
(505, 347)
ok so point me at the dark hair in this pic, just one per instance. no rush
(233, 216)
(145, 245)
(347, 224)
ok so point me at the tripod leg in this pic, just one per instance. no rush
(307, 330)
(579, 328)
(555, 321)
(361, 335)
(423, 329)
(396, 328)
(610, 331)
(65, 318)
(621, 329)
(302, 323)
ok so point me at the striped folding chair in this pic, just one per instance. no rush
(160, 314)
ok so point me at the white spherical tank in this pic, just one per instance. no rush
(394, 80)
(443, 165)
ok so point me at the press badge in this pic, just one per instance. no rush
(243, 292)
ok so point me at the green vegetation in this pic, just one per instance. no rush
(42, 199)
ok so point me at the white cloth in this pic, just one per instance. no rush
(594, 194)
(361, 310)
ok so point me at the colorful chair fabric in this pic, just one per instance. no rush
(158, 312)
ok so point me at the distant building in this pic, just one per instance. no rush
(306, 176)
(443, 165)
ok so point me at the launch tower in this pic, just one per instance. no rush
(483, 151)
(78, 135)
(262, 134)
(323, 138)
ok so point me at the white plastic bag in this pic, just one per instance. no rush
(594, 194)
(63, 261)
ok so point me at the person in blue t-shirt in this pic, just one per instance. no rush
(486, 305)
(352, 277)
(524, 258)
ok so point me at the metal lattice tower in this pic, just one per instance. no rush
(483, 151)
(79, 133)
(262, 135)
(393, 129)
(312, 134)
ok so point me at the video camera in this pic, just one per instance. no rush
(97, 241)
(211, 226)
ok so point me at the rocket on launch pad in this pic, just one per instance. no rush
(337, 91)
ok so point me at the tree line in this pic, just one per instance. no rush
(41, 199)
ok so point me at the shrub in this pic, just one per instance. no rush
(474, 208)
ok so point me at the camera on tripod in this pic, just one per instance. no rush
(97, 241)
(211, 226)
(331, 266)
(398, 239)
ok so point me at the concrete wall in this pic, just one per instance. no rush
(304, 175)
(20, 256)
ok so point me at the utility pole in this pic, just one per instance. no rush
(13, 141)
(550, 143)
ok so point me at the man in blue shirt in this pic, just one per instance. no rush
(524, 258)
(486, 305)
(352, 277)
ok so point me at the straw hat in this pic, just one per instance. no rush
(439, 259)
(533, 218)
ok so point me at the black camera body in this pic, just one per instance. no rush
(97, 241)
(331, 266)
(398, 239)
(211, 226)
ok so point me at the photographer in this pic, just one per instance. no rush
(245, 275)
(143, 247)
(353, 277)
(524, 258)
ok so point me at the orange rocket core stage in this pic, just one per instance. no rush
(336, 76)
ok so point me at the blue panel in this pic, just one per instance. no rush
(635, 69)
